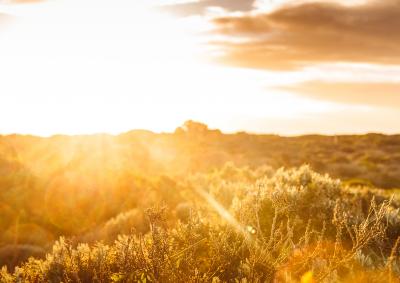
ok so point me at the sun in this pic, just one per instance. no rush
(93, 66)
(109, 66)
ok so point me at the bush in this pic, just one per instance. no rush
(293, 226)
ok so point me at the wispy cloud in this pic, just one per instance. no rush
(200, 7)
(382, 94)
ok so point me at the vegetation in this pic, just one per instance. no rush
(199, 206)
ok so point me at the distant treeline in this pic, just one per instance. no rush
(360, 159)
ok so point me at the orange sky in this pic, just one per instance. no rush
(273, 66)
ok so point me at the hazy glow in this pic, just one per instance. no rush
(70, 66)
(89, 66)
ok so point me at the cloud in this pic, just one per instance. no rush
(200, 7)
(376, 94)
(295, 36)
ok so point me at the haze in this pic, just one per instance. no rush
(285, 67)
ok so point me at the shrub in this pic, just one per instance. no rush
(294, 226)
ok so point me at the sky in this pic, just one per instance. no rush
(286, 67)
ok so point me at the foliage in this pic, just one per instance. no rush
(294, 226)
(222, 209)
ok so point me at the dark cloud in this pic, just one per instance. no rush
(370, 94)
(198, 8)
(296, 35)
